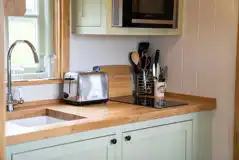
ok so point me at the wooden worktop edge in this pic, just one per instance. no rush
(209, 100)
(198, 104)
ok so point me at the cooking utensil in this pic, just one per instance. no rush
(156, 69)
(163, 74)
(149, 65)
(156, 57)
(145, 61)
(143, 47)
(135, 58)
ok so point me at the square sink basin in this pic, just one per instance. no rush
(42, 117)
(36, 121)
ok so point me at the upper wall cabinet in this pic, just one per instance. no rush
(105, 17)
(14, 7)
(89, 16)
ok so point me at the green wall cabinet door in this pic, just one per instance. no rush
(88, 16)
(89, 13)
(93, 149)
(168, 142)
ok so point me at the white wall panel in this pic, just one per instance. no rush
(202, 61)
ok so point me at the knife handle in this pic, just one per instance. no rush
(156, 58)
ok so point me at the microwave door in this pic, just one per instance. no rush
(144, 13)
(148, 6)
(153, 9)
(154, 13)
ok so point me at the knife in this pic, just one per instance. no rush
(156, 64)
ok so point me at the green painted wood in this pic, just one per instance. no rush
(88, 12)
(174, 132)
(88, 16)
(99, 148)
(202, 136)
(169, 142)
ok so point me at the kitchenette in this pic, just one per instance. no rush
(103, 115)
(111, 80)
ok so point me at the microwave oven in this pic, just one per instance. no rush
(145, 13)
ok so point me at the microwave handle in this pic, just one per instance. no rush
(117, 13)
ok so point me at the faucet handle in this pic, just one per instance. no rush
(18, 98)
(21, 101)
(15, 102)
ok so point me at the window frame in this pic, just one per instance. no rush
(39, 15)
(35, 67)
(61, 38)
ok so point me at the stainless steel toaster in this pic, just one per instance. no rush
(81, 88)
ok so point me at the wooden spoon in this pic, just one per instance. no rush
(135, 58)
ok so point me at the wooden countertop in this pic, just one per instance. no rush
(101, 116)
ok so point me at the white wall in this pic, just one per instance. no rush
(88, 51)
(202, 62)
(39, 92)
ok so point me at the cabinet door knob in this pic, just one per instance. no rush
(113, 141)
(127, 138)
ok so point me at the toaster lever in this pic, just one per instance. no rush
(69, 79)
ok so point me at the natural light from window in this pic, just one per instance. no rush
(37, 27)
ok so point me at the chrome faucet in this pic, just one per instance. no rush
(10, 101)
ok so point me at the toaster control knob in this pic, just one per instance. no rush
(66, 95)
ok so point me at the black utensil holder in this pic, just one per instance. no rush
(144, 86)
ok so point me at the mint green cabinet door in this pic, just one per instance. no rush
(87, 13)
(93, 149)
(169, 142)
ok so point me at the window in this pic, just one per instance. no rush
(37, 27)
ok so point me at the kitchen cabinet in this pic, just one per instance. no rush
(94, 17)
(14, 7)
(99, 148)
(184, 137)
(159, 142)
(89, 16)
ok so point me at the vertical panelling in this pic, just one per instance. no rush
(171, 55)
(175, 59)
(205, 53)
(190, 46)
(226, 19)
(207, 67)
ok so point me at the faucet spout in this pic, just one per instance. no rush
(10, 101)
